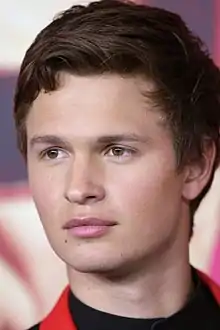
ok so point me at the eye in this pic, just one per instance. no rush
(53, 153)
(119, 152)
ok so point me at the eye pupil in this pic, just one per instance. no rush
(52, 154)
(117, 151)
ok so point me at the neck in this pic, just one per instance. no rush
(145, 295)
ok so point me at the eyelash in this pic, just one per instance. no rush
(45, 152)
(123, 149)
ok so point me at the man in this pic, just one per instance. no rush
(117, 111)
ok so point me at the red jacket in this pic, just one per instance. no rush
(60, 318)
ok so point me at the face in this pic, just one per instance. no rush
(102, 171)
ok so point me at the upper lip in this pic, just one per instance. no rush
(88, 221)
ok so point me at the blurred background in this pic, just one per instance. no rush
(31, 276)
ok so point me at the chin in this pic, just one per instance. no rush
(91, 263)
(90, 269)
(94, 259)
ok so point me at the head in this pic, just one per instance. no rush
(117, 111)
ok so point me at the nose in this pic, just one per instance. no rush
(84, 184)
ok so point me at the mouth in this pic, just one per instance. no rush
(88, 227)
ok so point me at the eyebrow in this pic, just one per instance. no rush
(49, 140)
(121, 138)
(107, 139)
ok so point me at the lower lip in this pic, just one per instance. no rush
(89, 231)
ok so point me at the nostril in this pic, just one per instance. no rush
(91, 197)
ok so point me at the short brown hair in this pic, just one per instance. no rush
(119, 37)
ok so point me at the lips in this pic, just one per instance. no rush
(88, 228)
(91, 222)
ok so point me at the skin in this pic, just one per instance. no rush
(79, 166)
(207, 233)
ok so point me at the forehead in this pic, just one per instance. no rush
(96, 104)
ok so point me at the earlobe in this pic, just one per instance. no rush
(198, 174)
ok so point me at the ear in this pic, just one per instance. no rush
(197, 174)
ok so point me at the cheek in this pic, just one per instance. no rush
(147, 194)
(44, 188)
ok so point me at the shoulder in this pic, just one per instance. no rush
(212, 286)
(35, 327)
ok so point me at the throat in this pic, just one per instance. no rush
(145, 298)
